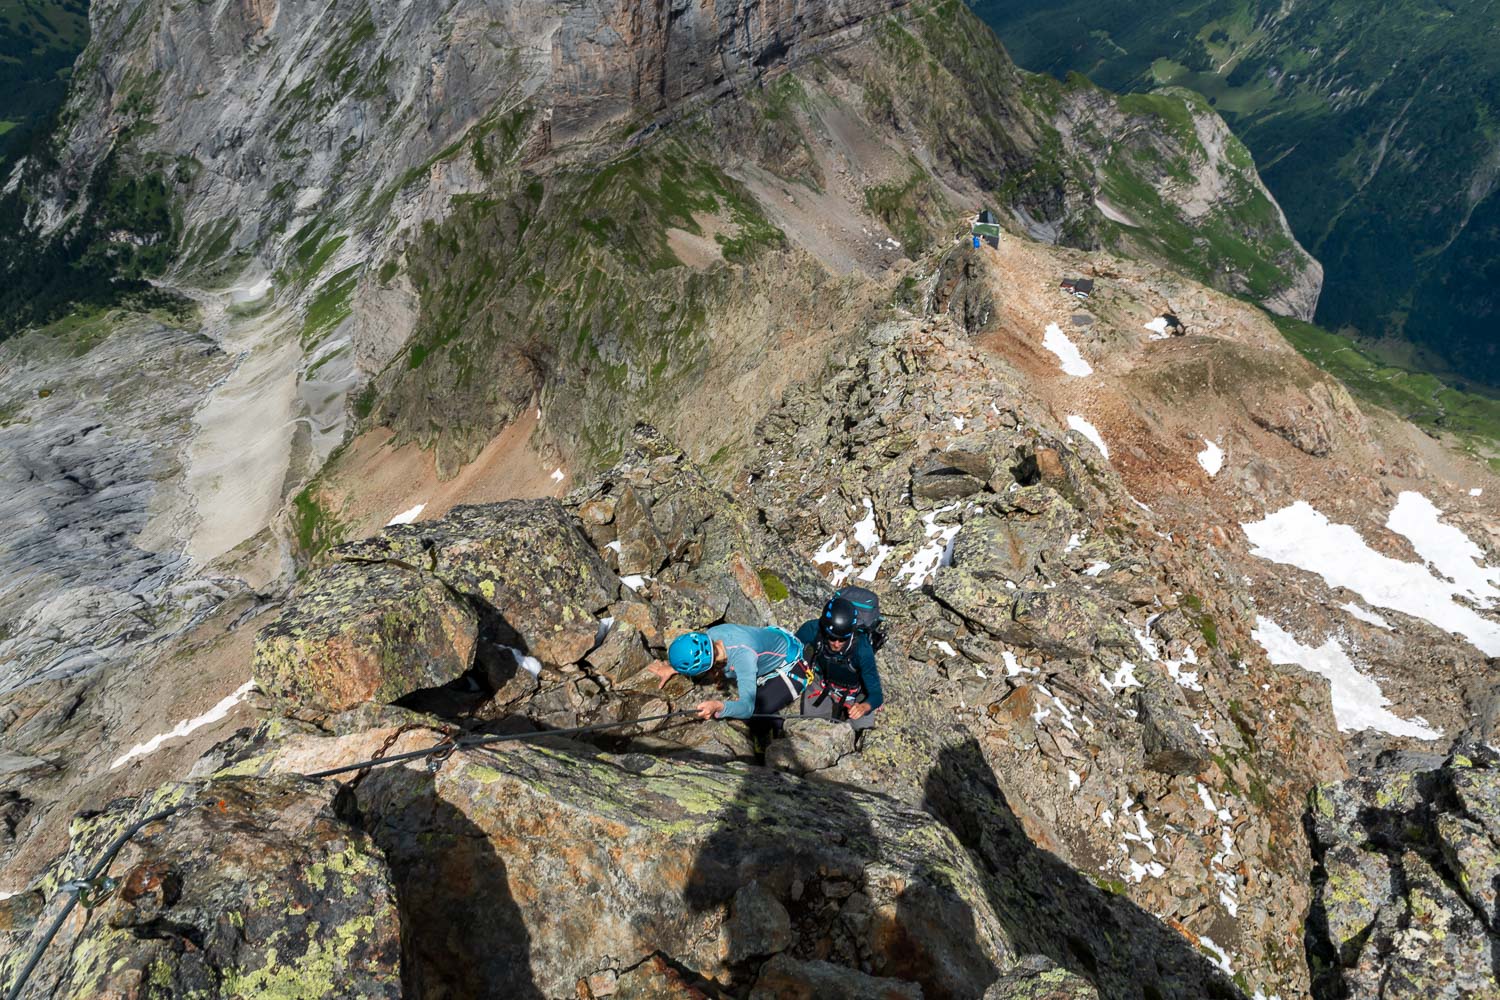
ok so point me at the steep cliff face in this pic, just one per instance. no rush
(1206, 211)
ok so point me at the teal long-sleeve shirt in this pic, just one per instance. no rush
(855, 670)
(753, 653)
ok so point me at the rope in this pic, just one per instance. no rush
(448, 746)
(446, 749)
(94, 873)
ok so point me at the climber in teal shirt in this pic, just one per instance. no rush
(764, 666)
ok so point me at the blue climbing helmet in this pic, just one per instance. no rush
(691, 654)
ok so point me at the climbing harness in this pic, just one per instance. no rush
(845, 697)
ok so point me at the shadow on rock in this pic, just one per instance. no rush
(1049, 908)
(823, 891)
(462, 934)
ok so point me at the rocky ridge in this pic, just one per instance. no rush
(1066, 769)
(1090, 779)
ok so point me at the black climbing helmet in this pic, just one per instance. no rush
(839, 619)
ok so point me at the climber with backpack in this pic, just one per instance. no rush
(764, 666)
(840, 647)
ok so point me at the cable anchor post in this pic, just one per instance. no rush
(91, 891)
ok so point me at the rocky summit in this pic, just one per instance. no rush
(386, 387)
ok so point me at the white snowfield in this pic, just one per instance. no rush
(407, 516)
(1072, 362)
(187, 725)
(1211, 458)
(1089, 431)
(1301, 536)
(1158, 328)
(1357, 701)
(865, 532)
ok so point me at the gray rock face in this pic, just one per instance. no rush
(785, 978)
(523, 561)
(90, 449)
(758, 924)
(1406, 897)
(1171, 745)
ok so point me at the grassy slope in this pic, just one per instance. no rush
(569, 274)
(1414, 395)
(1313, 96)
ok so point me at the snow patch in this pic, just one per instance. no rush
(407, 516)
(1476, 491)
(871, 571)
(1211, 458)
(1068, 356)
(1445, 548)
(635, 581)
(1367, 616)
(1158, 328)
(187, 725)
(242, 294)
(1219, 955)
(864, 530)
(1096, 569)
(1302, 536)
(1357, 701)
(1089, 431)
(945, 648)
(1124, 678)
(557, 475)
(936, 553)
(837, 557)
(530, 664)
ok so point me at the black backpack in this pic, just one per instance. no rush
(868, 619)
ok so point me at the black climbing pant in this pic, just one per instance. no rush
(771, 697)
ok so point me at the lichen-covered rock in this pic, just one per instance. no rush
(807, 747)
(1037, 978)
(1011, 548)
(949, 475)
(758, 924)
(255, 889)
(356, 632)
(641, 548)
(1065, 621)
(607, 860)
(528, 561)
(786, 978)
(1407, 883)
